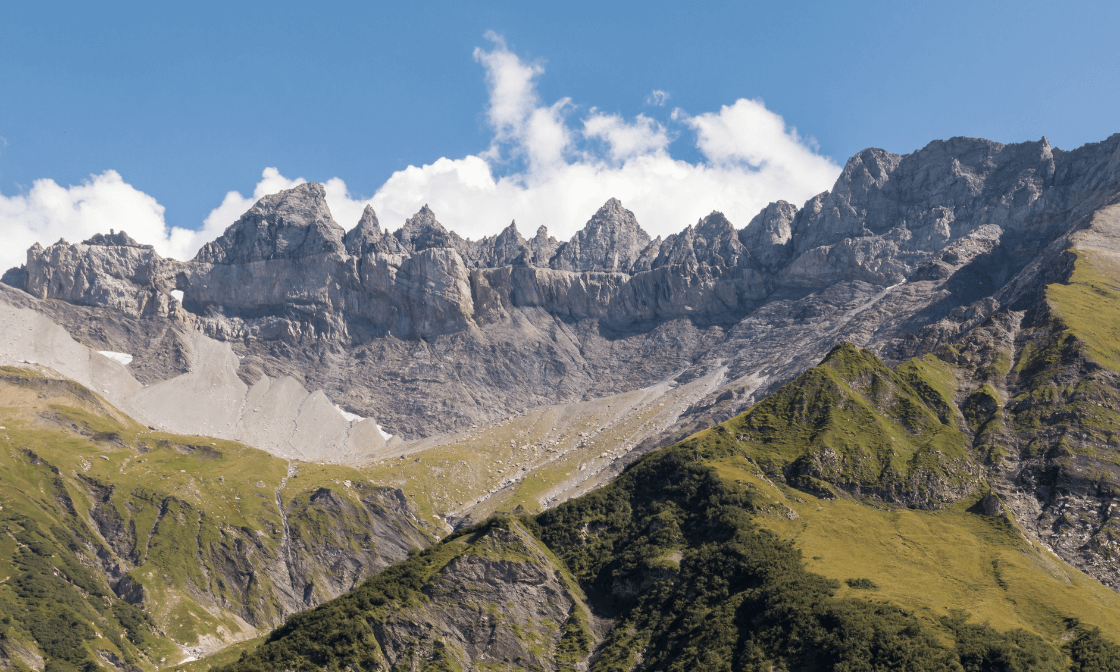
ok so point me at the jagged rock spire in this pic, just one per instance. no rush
(423, 231)
(767, 235)
(363, 237)
(114, 239)
(612, 240)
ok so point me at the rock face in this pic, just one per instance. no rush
(612, 241)
(503, 601)
(491, 598)
(768, 235)
(292, 224)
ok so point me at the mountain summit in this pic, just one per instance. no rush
(612, 240)
(292, 224)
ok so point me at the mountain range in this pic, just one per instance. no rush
(935, 336)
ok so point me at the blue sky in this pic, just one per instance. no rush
(187, 103)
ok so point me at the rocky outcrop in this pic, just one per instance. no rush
(293, 224)
(612, 241)
(423, 232)
(502, 601)
(713, 241)
(129, 279)
(364, 237)
(767, 236)
(114, 239)
(493, 597)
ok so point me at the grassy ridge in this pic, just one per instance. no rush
(856, 424)
(932, 562)
(673, 548)
(1088, 304)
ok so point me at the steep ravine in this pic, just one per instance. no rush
(286, 539)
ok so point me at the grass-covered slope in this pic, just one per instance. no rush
(1088, 303)
(855, 424)
(842, 523)
(120, 545)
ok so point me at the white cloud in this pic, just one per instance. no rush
(531, 131)
(558, 175)
(627, 140)
(48, 212)
(657, 97)
(752, 158)
(748, 133)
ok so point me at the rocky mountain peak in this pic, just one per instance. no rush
(543, 247)
(291, 224)
(713, 241)
(929, 198)
(363, 237)
(507, 248)
(612, 240)
(717, 242)
(114, 239)
(509, 235)
(423, 231)
(767, 235)
(542, 236)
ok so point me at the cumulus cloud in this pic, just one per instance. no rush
(550, 164)
(48, 212)
(523, 128)
(751, 157)
(627, 140)
(657, 97)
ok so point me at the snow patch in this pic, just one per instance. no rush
(350, 417)
(116, 356)
(178, 294)
(354, 417)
